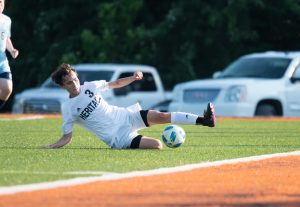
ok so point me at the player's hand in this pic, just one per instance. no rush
(14, 53)
(138, 75)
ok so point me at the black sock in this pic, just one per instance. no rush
(1, 103)
(199, 120)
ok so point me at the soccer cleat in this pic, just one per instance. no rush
(209, 117)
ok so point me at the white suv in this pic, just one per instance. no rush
(259, 84)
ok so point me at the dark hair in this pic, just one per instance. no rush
(62, 70)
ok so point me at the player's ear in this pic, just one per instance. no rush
(63, 85)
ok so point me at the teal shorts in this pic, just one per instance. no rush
(6, 75)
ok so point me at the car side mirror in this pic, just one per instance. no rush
(295, 79)
(217, 74)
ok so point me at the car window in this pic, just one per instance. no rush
(272, 68)
(146, 84)
(83, 76)
(94, 75)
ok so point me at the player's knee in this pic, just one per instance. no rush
(8, 90)
(158, 145)
(150, 143)
(5, 92)
(6, 86)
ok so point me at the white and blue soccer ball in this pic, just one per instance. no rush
(173, 136)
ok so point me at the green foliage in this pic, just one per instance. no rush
(185, 40)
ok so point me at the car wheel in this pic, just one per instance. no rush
(266, 110)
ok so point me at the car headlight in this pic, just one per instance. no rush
(236, 93)
(17, 105)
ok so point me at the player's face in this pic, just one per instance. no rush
(1, 6)
(71, 84)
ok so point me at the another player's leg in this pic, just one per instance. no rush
(5, 89)
(2, 103)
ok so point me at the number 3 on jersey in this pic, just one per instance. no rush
(89, 93)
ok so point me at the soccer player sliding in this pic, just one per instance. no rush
(116, 126)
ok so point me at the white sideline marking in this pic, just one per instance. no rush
(91, 173)
(57, 173)
(116, 176)
(23, 118)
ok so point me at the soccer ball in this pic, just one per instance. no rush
(173, 136)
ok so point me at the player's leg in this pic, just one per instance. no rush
(208, 118)
(150, 143)
(143, 142)
(6, 86)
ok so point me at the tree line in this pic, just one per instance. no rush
(184, 39)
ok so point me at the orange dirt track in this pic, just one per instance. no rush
(272, 182)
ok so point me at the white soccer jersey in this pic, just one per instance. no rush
(114, 125)
(5, 24)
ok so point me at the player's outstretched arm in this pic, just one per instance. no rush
(126, 81)
(13, 51)
(65, 139)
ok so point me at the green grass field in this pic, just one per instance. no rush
(22, 163)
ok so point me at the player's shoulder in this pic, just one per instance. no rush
(66, 108)
(87, 84)
(6, 18)
(96, 83)
(65, 105)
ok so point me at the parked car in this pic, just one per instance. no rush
(49, 97)
(162, 106)
(258, 84)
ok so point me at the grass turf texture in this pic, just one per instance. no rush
(22, 163)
